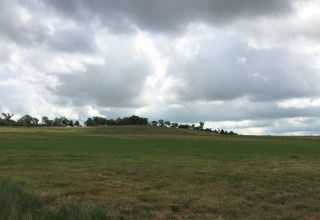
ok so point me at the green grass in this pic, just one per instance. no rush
(15, 203)
(144, 172)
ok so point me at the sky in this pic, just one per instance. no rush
(249, 66)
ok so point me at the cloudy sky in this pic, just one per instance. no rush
(243, 65)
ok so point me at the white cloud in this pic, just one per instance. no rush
(300, 103)
(241, 60)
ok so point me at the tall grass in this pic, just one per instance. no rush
(15, 203)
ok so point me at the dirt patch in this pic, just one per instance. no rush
(26, 136)
(172, 137)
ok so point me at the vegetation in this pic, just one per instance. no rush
(152, 172)
(15, 203)
(28, 121)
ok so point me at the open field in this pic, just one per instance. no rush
(145, 172)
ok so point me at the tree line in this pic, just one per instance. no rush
(28, 121)
(192, 126)
(132, 120)
(136, 120)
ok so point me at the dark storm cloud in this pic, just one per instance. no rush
(167, 15)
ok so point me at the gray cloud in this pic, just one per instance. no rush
(105, 87)
(73, 39)
(17, 26)
(167, 16)
(267, 75)
(228, 63)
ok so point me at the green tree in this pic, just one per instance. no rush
(154, 123)
(89, 122)
(96, 120)
(161, 123)
(167, 123)
(64, 121)
(119, 121)
(201, 125)
(26, 120)
(77, 123)
(46, 121)
(186, 126)
(35, 121)
(56, 122)
(175, 124)
(7, 116)
(103, 121)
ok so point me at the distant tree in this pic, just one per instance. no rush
(201, 125)
(112, 122)
(103, 121)
(167, 123)
(64, 121)
(192, 126)
(45, 121)
(145, 121)
(186, 126)
(7, 116)
(175, 124)
(96, 120)
(77, 123)
(161, 123)
(89, 122)
(35, 122)
(119, 121)
(221, 131)
(70, 123)
(154, 123)
(26, 120)
(56, 122)
(232, 133)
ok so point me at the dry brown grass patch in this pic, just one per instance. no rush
(27, 136)
(173, 137)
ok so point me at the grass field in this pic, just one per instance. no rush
(145, 172)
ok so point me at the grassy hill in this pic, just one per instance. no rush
(146, 172)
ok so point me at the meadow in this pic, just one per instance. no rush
(147, 172)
